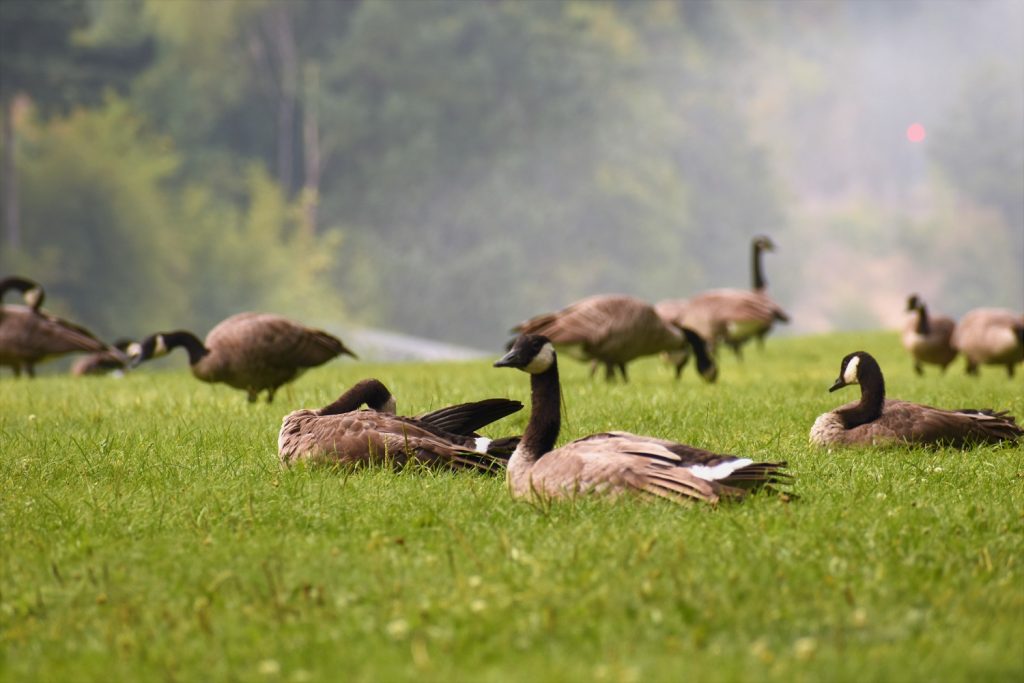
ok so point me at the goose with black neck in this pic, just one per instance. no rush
(613, 463)
(875, 420)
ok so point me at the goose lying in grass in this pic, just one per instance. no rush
(927, 338)
(28, 335)
(248, 351)
(613, 462)
(614, 329)
(876, 421)
(341, 433)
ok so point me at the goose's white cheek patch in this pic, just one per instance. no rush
(542, 361)
(850, 374)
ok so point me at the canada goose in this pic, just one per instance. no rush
(339, 433)
(732, 316)
(29, 335)
(876, 421)
(613, 462)
(103, 362)
(613, 329)
(248, 351)
(927, 337)
(990, 336)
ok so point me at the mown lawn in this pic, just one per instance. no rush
(149, 534)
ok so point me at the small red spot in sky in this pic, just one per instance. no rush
(916, 132)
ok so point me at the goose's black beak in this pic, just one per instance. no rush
(838, 384)
(512, 359)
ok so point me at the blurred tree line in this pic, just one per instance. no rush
(441, 167)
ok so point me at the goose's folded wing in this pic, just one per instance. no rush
(467, 418)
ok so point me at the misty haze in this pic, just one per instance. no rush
(448, 169)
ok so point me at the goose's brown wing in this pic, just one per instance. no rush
(735, 305)
(276, 340)
(916, 423)
(587, 321)
(369, 437)
(618, 461)
(467, 418)
(29, 335)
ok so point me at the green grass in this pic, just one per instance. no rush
(149, 534)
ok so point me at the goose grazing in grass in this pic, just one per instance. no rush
(990, 336)
(732, 316)
(926, 337)
(876, 421)
(248, 351)
(103, 362)
(614, 329)
(341, 433)
(29, 335)
(613, 463)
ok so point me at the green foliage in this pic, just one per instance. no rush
(490, 160)
(255, 256)
(136, 254)
(149, 534)
(107, 244)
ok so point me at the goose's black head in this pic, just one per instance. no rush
(913, 302)
(764, 243)
(31, 291)
(706, 365)
(532, 353)
(854, 368)
(151, 347)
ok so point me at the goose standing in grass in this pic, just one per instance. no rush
(29, 335)
(732, 316)
(877, 421)
(614, 329)
(990, 336)
(341, 433)
(927, 338)
(613, 463)
(248, 351)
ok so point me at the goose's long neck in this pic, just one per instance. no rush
(755, 268)
(922, 320)
(371, 392)
(194, 347)
(872, 400)
(545, 414)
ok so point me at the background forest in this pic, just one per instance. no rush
(448, 168)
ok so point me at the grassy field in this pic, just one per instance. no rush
(148, 534)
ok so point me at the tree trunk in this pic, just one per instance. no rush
(283, 39)
(12, 223)
(311, 148)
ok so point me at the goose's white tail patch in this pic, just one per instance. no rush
(481, 444)
(721, 470)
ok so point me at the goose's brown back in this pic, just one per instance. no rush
(619, 462)
(28, 337)
(609, 327)
(990, 336)
(256, 351)
(372, 438)
(724, 314)
(914, 423)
